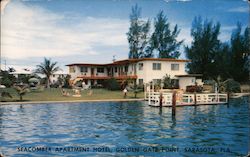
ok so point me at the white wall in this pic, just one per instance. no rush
(186, 81)
(199, 82)
(148, 74)
(54, 77)
(88, 73)
(76, 73)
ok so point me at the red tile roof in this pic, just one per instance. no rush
(126, 61)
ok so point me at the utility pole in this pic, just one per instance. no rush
(5, 65)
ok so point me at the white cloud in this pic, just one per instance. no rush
(239, 9)
(36, 32)
(185, 35)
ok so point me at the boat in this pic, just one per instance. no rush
(238, 95)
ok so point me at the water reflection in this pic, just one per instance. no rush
(132, 124)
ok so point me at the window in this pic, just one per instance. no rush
(84, 69)
(71, 69)
(140, 66)
(100, 70)
(175, 67)
(175, 83)
(156, 66)
(193, 81)
(126, 68)
(140, 81)
(115, 69)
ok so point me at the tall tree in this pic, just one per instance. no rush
(204, 46)
(163, 40)
(138, 34)
(240, 52)
(247, 52)
(220, 65)
(47, 68)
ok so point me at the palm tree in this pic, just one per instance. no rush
(21, 90)
(47, 68)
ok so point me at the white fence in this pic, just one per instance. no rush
(154, 99)
(185, 99)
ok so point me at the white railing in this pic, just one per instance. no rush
(186, 99)
(167, 99)
(154, 99)
(212, 98)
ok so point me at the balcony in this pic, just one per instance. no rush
(96, 77)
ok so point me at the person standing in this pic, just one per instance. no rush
(125, 92)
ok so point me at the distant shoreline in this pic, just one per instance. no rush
(68, 101)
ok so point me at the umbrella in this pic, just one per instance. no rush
(33, 80)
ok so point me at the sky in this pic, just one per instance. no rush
(93, 31)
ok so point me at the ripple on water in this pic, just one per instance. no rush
(115, 124)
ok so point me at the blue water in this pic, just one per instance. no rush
(107, 128)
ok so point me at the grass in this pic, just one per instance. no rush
(54, 94)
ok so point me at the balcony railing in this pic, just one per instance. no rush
(97, 77)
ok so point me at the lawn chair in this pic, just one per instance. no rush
(77, 93)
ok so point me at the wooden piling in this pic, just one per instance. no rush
(160, 99)
(228, 97)
(195, 103)
(149, 96)
(174, 103)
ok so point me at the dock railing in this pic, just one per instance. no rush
(186, 99)
(154, 98)
(211, 98)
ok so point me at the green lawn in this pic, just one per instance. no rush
(54, 94)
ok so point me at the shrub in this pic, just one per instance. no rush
(22, 78)
(4, 95)
(112, 84)
(167, 81)
(66, 82)
(231, 86)
(7, 79)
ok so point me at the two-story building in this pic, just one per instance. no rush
(142, 70)
(55, 76)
